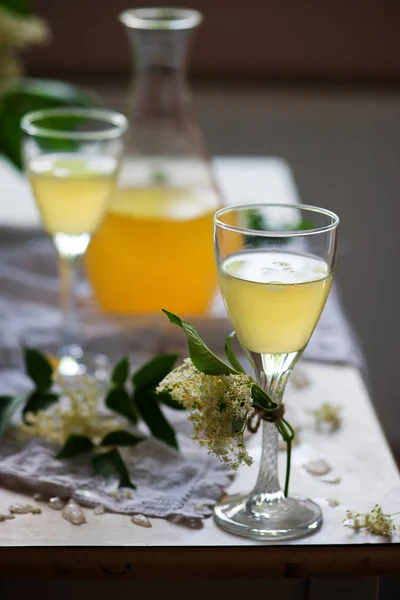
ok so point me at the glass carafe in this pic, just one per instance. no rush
(155, 249)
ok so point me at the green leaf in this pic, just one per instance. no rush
(111, 466)
(74, 445)
(119, 400)
(150, 374)
(8, 407)
(166, 399)
(39, 401)
(121, 438)
(154, 418)
(203, 359)
(120, 373)
(238, 425)
(28, 95)
(38, 368)
(261, 398)
(21, 7)
(230, 355)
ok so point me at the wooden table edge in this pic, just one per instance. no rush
(194, 562)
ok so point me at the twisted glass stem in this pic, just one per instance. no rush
(272, 371)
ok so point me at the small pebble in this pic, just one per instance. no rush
(318, 467)
(56, 503)
(38, 497)
(141, 520)
(333, 479)
(73, 513)
(188, 522)
(99, 509)
(6, 517)
(23, 509)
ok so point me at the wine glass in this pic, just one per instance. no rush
(72, 157)
(275, 267)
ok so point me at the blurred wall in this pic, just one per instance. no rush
(329, 39)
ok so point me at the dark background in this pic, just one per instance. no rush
(330, 40)
(314, 82)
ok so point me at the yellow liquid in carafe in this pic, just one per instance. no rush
(274, 299)
(72, 190)
(154, 250)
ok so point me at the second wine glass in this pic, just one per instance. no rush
(72, 158)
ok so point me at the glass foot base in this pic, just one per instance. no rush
(73, 362)
(284, 519)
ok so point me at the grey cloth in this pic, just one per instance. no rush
(185, 484)
(169, 483)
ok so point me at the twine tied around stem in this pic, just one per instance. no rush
(274, 415)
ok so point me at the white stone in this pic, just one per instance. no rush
(318, 467)
(73, 513)
(56, 503)
(141, 520)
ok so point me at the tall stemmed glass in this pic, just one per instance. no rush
(275, 267)
(72, 157)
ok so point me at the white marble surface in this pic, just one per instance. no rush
(358, 453)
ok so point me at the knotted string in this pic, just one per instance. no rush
(274, 415)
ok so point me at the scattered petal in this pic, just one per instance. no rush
(141, 520)
(73, 513)
(318, 467)
(6, 517)
(332, 479)
(23, 509)
(332, 502)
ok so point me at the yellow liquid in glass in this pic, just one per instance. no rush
(142, 257)
(274, 299)
(72, 190)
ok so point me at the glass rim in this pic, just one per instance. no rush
(118, 122)
(277, 233)
(161, 18)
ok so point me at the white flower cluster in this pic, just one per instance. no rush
(220, 405)
(77, 412)
(16, 32)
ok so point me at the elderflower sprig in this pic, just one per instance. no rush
(220, 406)
(223, 400)
(376, 521)
(77, 413)
(329, 415)
(81, 415)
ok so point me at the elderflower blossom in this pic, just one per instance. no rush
(220, 406)
(77, 412)
(376, 522)
(17, 32)
(327, 414)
